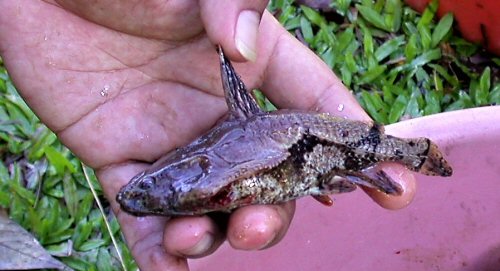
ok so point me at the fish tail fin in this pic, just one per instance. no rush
(433, 163)
(420, 155)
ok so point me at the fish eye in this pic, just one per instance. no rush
(204, 163)
(146, 183)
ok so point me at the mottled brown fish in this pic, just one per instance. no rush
(255, 157)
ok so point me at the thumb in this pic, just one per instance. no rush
(234, 25)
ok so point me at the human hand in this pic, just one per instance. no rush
(122, 83)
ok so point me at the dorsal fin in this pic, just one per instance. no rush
(239, 101)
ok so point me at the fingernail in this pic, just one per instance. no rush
(270, 241)
(247, 27)
(201, 247)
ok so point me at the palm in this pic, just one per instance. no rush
(124, 90)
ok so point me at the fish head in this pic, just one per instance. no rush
(164, 190)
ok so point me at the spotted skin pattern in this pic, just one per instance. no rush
(255, 157)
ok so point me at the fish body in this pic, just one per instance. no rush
(257, 157)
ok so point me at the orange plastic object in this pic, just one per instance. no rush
(478, 20)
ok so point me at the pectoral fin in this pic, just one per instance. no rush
(377, 179)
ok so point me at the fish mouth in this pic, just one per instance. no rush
(132, 197)
(129, 202)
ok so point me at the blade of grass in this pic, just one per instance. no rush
(388, 48)
(443, 28)
(373, 17)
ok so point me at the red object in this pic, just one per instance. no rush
(478, 20)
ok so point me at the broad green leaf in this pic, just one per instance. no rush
(346, 75)
(313, 16)
(344, 40)
(494, 96)
(328, 34)
(429, 13)
(60, 237)
(306, 29)
(50, 182)
(92, 244)
(443, 28)
(372, 16)
(481, 95)
(350, 63)
(393, 14)
(425, 36)
(432, 103)
(50, 217)
(341, 6)
(115, 227)
(367, 42)
(35, 220)
(378, 102)
(93, 179)
(63, 249)
(413, 108)
(372, 74)
(464, 101)
(411, 49)
(56, 192)
(397, 109)
(104, 261)
(387, 94)
(422, 77)
(127, 256)
(70, 196)
(84, 206)
(42, 139)
(82, 232)
(379, 5)
(63, 224)
(18, 210)
(77, 264)
(14, 98)
(473, 89)
(292, 23)
(4, 173)
(58, 160)
(388, 48)
(371, 106)
(438, 82)
(4, 198)
(426, 57)
(328, 57)
(22, 123)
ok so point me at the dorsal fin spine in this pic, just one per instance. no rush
(239, 101)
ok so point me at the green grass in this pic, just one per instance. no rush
(399, 64)
(43, 188)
